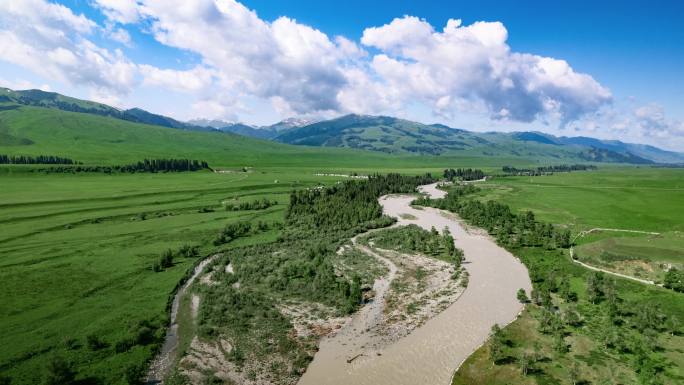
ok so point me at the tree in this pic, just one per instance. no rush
(94, 342)
(59, 372)
(594, 284)
(572, 316)
(574, 373)
(559, 344)
(672, 325)
(674, 279)
(522, 296)
(524, 362)
(564, 289)
(355, 296)
(166, 259)
(496, 344)
(134, 374)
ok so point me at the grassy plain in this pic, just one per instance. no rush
(634, 198)
(77, 252)
(644, 199)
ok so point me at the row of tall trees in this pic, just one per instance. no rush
(39, 159)
(147, 165)
(463, 174)
(545, 170)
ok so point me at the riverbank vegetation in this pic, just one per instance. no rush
(300, 266)
(645, 200)
(581, 326)
(414, 239)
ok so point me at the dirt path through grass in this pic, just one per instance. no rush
(590, 267)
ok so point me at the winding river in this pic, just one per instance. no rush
(431, 353)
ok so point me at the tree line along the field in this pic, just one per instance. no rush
(147, 165)
(298, 266)
(466, 174)
(546, 170)
(38, 159)
(620, 322)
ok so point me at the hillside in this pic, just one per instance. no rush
(27, 114)
(397, 136)
(28, 130)
(40, 98)
(97, 139)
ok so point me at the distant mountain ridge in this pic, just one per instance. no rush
(394, 135)
(374, 133)
(261, 132)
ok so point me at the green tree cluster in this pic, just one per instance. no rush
(510, 229)
(39, 159)
(463, 174)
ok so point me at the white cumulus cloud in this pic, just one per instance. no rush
(246, 61)
(474, 63)
(50, 40)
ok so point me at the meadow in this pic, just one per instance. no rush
(78, 251)
(642, 199)
(594, 328)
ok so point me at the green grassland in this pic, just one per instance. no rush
(647, 199)
(77, 252)
(643, 199)
(642, 256)
(590, 354)
(611, 344)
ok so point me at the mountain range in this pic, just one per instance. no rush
(261, 132)
(383, 134)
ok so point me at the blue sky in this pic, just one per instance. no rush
(608, 69)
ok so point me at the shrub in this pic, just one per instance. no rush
(134, 374)
(95, 343)
(59, 372)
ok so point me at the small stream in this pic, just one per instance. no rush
(163, 362)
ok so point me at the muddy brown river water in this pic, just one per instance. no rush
(431, 353)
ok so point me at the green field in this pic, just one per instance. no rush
(77, 253)
(642, 256)
(634, 338)
(78, 250)
(642, 199)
